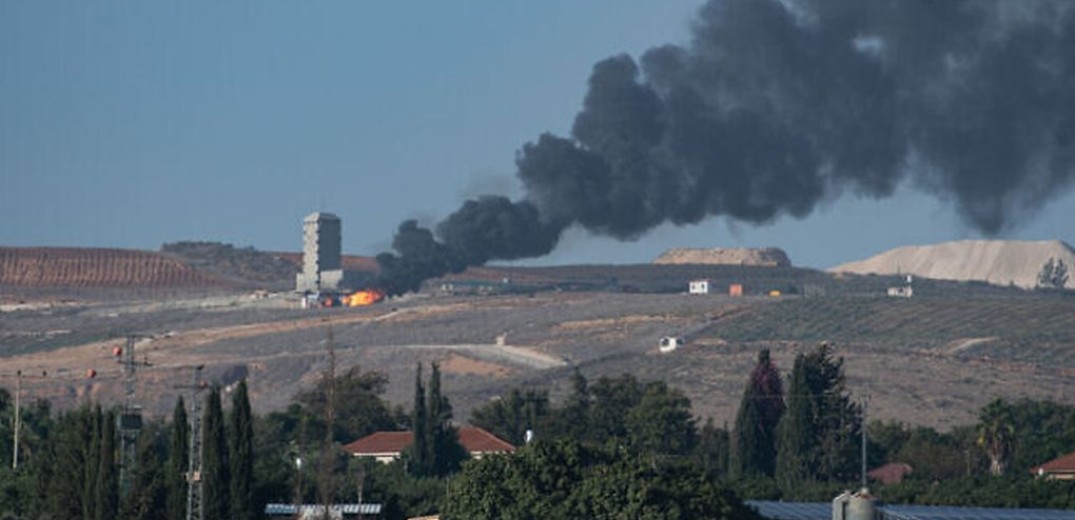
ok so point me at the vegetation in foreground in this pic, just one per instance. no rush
(617, 447)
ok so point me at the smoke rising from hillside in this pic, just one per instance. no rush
(775, 105)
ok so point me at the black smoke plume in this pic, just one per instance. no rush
(775, 105)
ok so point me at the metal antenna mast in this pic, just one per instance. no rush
(194, 464)
(130, 420)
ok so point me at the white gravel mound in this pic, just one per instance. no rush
(1000, 262)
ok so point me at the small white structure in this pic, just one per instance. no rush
(903, 292)
(700, 286)
(670, 344)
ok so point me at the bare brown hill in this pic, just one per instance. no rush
(768, 257)
(95, 267)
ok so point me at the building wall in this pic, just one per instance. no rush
(321, 253)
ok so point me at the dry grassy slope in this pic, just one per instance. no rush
(1000, 262)
(91, 267)
(931, 361)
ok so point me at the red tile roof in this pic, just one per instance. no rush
(891, 473)
(380, 442)
(1065, 464)
(475, 440)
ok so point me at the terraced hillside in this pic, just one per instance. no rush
(94, 267)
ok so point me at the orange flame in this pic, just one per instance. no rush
(363, 297)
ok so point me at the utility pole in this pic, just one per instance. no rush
(327, 453)
(865, 403)
(130, 419)
(194, 464)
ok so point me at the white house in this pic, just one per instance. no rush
(701, 286)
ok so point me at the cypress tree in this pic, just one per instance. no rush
(107, 486)
(760, 410)
(178, 461)
(445, 452)
(147, 499)
(91, 463)
(818, 435)
(216, 477)
(65, 494)
(419, 449)
(242, 456)
(796, 434)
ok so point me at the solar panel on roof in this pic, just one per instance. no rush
(774, 510)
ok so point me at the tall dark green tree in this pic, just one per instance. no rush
(573, 419)
(712, 451)
(178, 461)
(216, 473)
(661, 422)
(64, 488)
(92, 464)
(762, 406)
(106, 488)
(418, 454)
(241, 459)
(446, 454)
(612, 400)
(818, 435)
(148, 495)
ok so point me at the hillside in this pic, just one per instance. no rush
(767, 257)
(999, 262)
(38, 267)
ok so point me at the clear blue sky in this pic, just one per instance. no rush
(131, 124)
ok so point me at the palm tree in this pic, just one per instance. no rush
(996, 435)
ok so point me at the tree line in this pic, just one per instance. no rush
(613, 447)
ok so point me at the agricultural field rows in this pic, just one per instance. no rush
(85, 267)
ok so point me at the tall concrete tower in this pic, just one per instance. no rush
(321, 267)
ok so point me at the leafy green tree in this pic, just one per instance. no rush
(573, 418)
(661, 422)
(818, 433)
(759, 414)
(107, 486)
(510, 417)
(996, 435)
(360, 405)
(178, 461)
(566, 479)
(241, 457)
(216, 473)
(712, 451)
(612, 401)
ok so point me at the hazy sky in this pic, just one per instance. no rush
(131, 124)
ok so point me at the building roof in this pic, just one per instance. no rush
(321, 215)
(1065, 464)
(891, 473)
(475, 440)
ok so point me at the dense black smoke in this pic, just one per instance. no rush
(776, 105)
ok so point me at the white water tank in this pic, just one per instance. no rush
(854, 506)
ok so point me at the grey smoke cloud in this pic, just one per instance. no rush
(775, 105)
